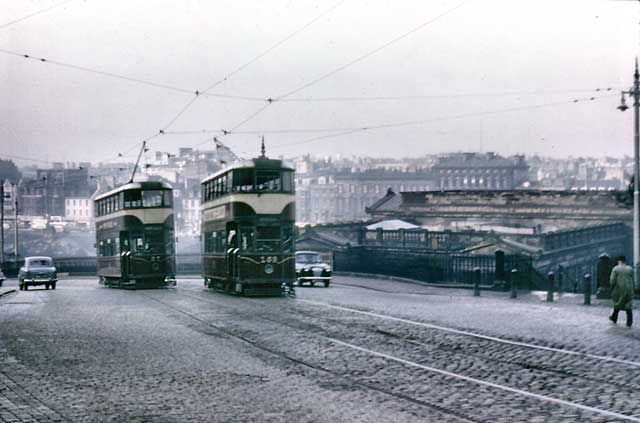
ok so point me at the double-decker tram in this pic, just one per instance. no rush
(248, 218)
(135, 236)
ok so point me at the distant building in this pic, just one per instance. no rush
(341, 196)
(78, 209)
(45, 194)
(475, 171)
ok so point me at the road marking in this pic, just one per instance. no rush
(490, 384)
(475, 335)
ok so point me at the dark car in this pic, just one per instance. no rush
(37, 271)
(311, 268)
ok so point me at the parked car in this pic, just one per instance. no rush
(311, 268)
(2, 278)
(37, 271)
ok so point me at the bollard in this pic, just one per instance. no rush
(587, 289)
(514, 283)
(551, 287)
(560, 279)
(476, 282)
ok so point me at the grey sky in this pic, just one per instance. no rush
(483, 47)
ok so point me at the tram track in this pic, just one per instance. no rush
(454, 349)
(307, 364)
(297, 323)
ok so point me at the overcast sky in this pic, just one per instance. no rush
(455, 78)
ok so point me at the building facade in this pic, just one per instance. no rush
(78, 209)
(474, 171)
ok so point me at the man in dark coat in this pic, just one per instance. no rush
(622, 290)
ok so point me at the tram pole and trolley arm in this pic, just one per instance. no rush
(133, 174)
(219, 144)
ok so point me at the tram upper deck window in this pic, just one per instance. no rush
(132, 198)
(152, 198)
(268, 180)
(243, 180)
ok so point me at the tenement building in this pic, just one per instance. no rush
(480, 171)
(342, 195)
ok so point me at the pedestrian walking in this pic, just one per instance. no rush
(622, 290)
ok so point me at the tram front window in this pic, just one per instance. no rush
(268, 181)
(152, 198)
(154, 240)
(132, 199)
(268, 239)
(243, 180)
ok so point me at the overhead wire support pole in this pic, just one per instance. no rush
(15, 215)
(1, 222)
(634, 92)
(133, 174)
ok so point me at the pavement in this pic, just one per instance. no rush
(4, 290)
(363, 350)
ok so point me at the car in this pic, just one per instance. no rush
(37, 271)
(312, 269)
(2, 278)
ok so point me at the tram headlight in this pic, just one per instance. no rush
(268, 269)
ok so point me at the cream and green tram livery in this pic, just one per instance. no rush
(135, 236)
(248, 219)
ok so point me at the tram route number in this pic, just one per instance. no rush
(217, 213)
(106, 225)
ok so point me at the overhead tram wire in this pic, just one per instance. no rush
(376, 50)
(445, 96)
(354, 61)
(276, 45)
(164, 129)
(308, 130)
(245, 65)
(126, 78)
(348, 131)
(53, 6)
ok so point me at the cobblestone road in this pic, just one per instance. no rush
(362, 350)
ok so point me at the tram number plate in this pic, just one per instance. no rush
(268, 259)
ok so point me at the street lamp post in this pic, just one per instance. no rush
(634, 92)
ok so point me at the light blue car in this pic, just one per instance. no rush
(37, 271)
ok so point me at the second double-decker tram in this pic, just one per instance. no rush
(135, 236)
(248, 218)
